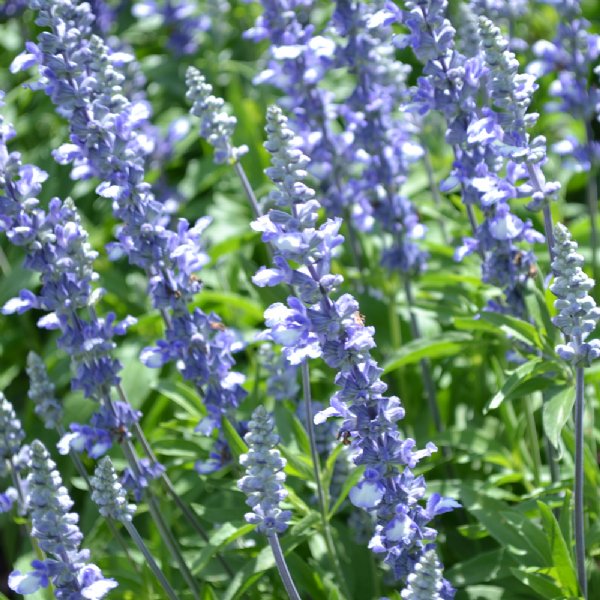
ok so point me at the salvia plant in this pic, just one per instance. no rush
(297, 299)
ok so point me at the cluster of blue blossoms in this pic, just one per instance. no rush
(363, 146)
(109, 141)
(55, 528)
(311, 325)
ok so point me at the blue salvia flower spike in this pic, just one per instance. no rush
(13, 457)
(313, 325)
(426, 580)
(217, 127)
(577, 313)
(263, 484)
(66, 566)
(111, 498)
(41, 391)
(577, 318)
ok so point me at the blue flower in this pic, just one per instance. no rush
(314, 324)
(55, 528)
(578, 314)
(264, 478)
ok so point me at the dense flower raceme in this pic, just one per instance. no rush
(41, 392)
(216, 126)
(570, 56)
(181, 17)
(106, 137)
(383, 138)
(57, 247)
(66, 566)
(109, 494)
(506, 12)
(297, 60)
(360, 169)
(483, 141)
(577, 311)
(313, 325)
(264, 478)
(14, 456)
(426, 580)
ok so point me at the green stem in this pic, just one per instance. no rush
(551, 453)
(578, 487)
(534, 445)
(241, 173)
(322, 494)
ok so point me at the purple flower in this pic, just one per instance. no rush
(264, 477)
(55, 528)
(109, 494)
(316, 325)
(578, 314)
(137, 478)
(108, 138)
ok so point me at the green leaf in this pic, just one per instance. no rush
(327, 473)
(226, 534)
(563, 570)
(298, 465)
(484, 567)
(515, 385)
(137, 380)
(449, 343)
(566, 517)
(558, 404)
(511, 529)
(236, 443)
(541, 584)
(521, 330)
(183, 396)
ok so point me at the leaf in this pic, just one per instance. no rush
(449, 343)
(243, 307)
(235, 442)
(558, 404)
(137, 380)
(298, 465)
(183, 396)
(514, 386)
(226, 534)
(328, 471)
(566, 517)
(521, 330)
(511, 529)
(484, 567)
(540, 584)
(563, 570)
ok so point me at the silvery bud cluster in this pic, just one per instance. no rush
(264, 479)
(109, 494)
(216, 126)
(577, 311)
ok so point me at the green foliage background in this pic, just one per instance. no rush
(505, 544)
